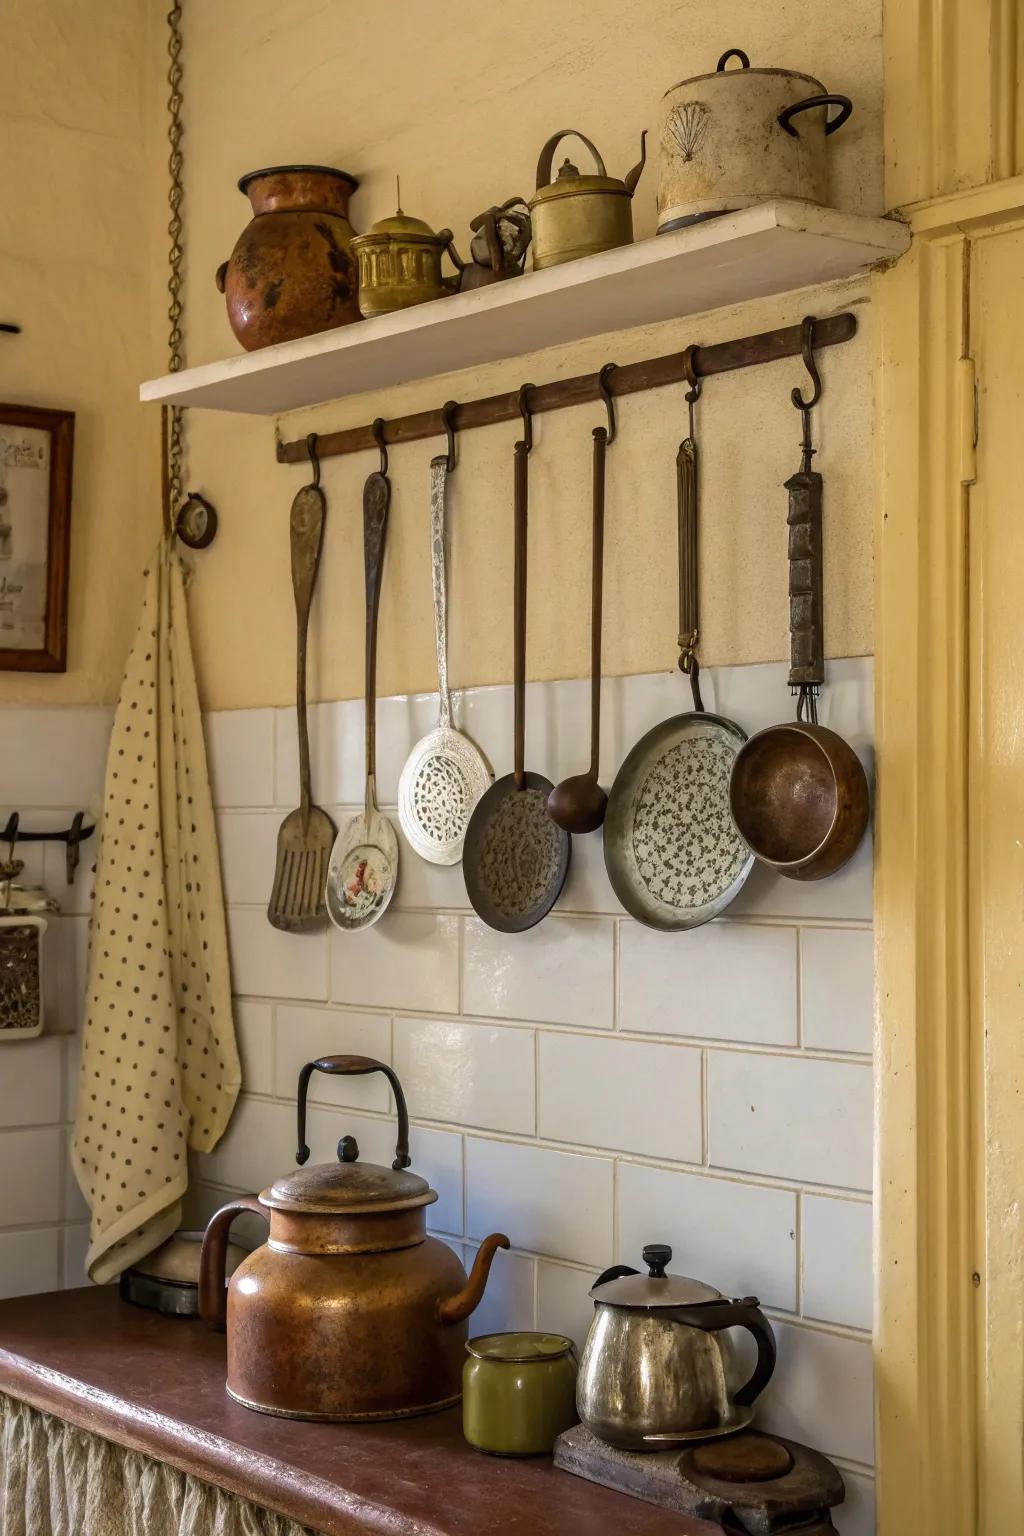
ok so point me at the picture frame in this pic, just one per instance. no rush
(36, 457)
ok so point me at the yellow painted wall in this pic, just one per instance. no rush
(459, 99)
(74, 273)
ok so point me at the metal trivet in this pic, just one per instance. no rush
(751, 1484)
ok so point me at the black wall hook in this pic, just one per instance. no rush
(806, 406)
(448, 418)
(313, 459)
(696, 384)
(71, 837)
(524, 411)
(378, 437)
(606, 396)
(807, 353)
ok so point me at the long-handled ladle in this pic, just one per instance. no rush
(578, 804)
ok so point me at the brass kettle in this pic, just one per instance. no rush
(578, 215)
(349, 1311)
(400, 264)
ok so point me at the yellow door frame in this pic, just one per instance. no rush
(949, 1365)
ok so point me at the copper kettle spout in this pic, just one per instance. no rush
(633, 176)
(455, 1309)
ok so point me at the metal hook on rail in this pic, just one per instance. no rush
(313, 459)
(378, 436)
(524, 411)
(805, 406)
(695, 382)
(448, 419)
(606, 396)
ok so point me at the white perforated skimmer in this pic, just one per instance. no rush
(445, 773)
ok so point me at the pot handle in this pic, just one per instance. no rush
(732, 53)
(806, 581)
(353, 1066)
(826, 99)
(743, 1313)
(213, 1295)
(617, 1272)
(548, 152)
(451, 284)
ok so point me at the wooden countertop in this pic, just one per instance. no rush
(156, 1385)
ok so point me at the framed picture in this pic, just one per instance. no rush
(36, 450)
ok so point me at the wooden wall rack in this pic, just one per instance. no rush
(654, 373)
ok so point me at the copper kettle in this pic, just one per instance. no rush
(349, 1311)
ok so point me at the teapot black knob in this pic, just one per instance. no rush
(656, 1257)
(348, 1150)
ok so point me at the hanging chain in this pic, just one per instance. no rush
(175, 480)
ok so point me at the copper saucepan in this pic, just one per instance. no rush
(798, 791)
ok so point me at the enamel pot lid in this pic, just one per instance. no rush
(349, 1187)
(623, 1286)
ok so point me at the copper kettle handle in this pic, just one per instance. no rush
(354, 1066)
(547, 155)
(213, 1295)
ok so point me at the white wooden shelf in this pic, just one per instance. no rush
(773, 248)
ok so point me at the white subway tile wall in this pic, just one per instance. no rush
(53, 766)
(589, 1086)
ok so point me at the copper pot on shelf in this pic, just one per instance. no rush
(292, 272)
(349, 1311)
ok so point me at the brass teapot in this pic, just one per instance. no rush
(350, 1311)
(577, 215)
(400, 264)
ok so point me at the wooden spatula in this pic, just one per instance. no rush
(307, 834)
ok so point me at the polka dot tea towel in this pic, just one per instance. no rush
(159, 1072)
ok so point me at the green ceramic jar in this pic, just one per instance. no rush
(518, 1392)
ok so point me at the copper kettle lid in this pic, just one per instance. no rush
(626, 1287)
(349, 1186)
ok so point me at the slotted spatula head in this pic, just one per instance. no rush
(303, 850)
(307, 834)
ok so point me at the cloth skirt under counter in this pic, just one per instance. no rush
(56, 1480)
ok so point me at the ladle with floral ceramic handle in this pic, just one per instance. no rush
(364, 860)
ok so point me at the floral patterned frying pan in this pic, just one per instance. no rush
(671, 848)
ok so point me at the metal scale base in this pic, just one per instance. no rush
(752, 1484)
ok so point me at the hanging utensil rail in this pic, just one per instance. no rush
(654, 373)
(71, 837)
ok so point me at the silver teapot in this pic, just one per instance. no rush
(657, 1366)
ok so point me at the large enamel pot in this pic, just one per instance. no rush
(349, 1311)
(737, 137)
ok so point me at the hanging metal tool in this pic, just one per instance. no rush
(799, 793)
(673, 856)
(307, 834)
(578, 804)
